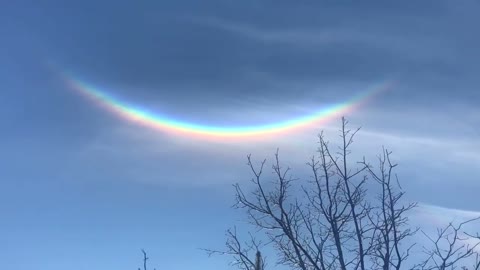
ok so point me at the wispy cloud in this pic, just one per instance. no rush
(315, 36)
(440, 215)
(429, 218)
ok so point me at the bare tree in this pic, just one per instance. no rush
(326, 222)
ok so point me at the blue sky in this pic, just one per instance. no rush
(81, 188)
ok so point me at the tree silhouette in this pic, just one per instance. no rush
(348, 215)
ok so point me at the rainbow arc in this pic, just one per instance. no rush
(156, 120)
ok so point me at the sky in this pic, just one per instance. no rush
(83, 186)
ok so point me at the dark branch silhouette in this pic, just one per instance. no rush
(451, 249)
(145, 259)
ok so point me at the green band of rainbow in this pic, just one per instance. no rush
(166, 123)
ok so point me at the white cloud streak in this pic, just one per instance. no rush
(313, 37)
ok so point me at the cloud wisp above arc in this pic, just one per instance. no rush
(169, 124)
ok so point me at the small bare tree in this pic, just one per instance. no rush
(242, 252)
(145, 259)
(451, 248)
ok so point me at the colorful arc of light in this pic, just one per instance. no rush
(156, 120)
